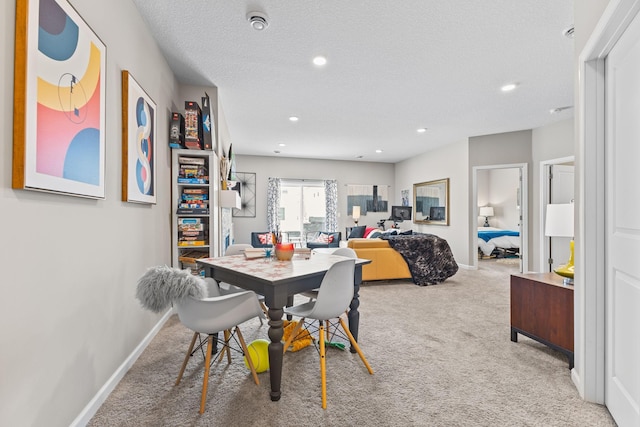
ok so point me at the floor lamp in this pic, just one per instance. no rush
(559, 223)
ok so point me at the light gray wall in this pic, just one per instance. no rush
(68, 313)
(449, 161)
(344, 171)
(555, 141)
(499, 149)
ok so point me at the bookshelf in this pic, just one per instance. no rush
(194, 203)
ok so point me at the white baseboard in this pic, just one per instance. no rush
(467, 267)
(92, 407)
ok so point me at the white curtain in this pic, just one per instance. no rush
(273, 204)
(331, 202)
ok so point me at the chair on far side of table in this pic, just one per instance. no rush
(261, 239)
(237, 249)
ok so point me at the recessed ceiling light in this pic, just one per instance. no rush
(257, 20)
(509, 87)
(378, 151)
(320, 61)
(422, 130)
(282, 144)
(294, 118)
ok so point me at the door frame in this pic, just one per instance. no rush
(589, 372)
(544, 196)
(524, 212)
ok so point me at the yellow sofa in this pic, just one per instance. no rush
(386, 262)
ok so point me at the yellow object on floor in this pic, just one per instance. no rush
(302, 340)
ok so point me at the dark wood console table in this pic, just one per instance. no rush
(542, 309)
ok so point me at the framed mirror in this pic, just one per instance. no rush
(431, 202)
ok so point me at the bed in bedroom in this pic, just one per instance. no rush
(498, 242)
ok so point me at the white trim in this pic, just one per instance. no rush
(544, 195)
(589, 371)
(468, 267)
(524, 211)
(92, 407)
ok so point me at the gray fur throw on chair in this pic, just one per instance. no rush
(161, 285)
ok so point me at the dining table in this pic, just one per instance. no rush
(278, 281)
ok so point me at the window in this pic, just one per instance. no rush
(302, 207)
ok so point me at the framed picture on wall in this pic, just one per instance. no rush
(138, 143)
(59, 101)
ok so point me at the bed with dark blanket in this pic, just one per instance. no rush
(428, 256)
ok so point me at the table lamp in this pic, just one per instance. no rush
(559, 223)
(356, 214)
(486, 212)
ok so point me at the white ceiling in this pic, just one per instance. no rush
(393, 67)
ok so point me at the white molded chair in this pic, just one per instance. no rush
(237, 249)
(212, 315)
(334, 296)
(347, 252)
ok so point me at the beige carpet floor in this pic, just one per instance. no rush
(442, 356)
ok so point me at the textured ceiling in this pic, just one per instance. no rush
(393, 67)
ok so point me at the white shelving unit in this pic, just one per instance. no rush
(183, 254)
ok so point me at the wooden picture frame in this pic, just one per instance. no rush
(138, 143)
(59, 101)
(431, 202)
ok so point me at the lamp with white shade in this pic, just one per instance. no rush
(486, 212)
(559, 223)
(356, 214)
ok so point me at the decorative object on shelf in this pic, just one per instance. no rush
(559, 223)
(486, 212)
(247, 208)
(208, 124)
(356, 214)
(138, 143)
(431, 202)
(58, 117)
(284, 251)
(193, 133)
(176, 130)
(229, 199)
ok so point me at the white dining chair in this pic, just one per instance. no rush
(334, 296)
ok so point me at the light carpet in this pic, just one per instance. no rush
(442, 356)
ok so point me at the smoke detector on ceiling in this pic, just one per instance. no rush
(258, 20)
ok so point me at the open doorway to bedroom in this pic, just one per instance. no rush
(500, 213)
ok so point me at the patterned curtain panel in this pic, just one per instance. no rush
(273, 203)
(331, 201)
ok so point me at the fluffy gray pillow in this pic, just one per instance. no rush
(160, 286)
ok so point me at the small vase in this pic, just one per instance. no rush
(284, 251)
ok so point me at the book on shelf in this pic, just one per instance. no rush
(194, 196)
(191, 255)
(193, 211)
(202, 180)
(195, 191)
(191, 160)
(193, 126)
(192, 243)
(193, 205)
(191, 227)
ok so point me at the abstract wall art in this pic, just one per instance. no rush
(59, 101)
(138, 143)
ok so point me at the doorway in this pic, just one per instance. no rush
(508, 198)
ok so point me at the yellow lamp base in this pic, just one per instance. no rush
(567, 269)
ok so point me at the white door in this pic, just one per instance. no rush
(622, 228)
(561, 187)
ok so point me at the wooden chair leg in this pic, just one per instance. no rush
(245, 350)
(227, 337)
(186, 358)
(207, 368)
(323, 367)
(355, 345)
(294, 333)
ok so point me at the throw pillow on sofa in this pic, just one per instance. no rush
(324, 238)
(357, 232)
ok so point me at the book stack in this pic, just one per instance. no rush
(194, 201)
(192, 232)
(193, 170)
(188, 260)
